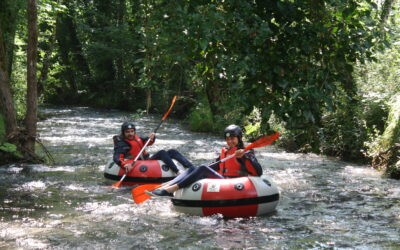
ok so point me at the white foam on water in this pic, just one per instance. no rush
(73, 187)
(32, 186)
(169, 142)
(43, 168)
(9, 232)
(93, 206)
(203, 156)
(13, 169)
(394, 193)
(32, 243)
(61, 139)
(361, 171)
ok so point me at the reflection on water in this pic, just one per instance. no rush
(325, 203)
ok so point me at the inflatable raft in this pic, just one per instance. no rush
(234, 197)
(144, 172)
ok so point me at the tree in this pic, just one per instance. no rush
(31, 99)
(24, 139)
(6, 98)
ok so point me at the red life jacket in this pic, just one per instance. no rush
(136, 145)
(232, 167)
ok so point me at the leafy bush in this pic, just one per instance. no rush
(9, 152)
(343, 132)
(393, 171)
(200, 118)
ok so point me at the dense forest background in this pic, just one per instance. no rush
(323, 73)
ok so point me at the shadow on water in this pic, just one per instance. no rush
(325, 204)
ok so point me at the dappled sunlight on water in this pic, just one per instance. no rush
(360, 171)
(170, 142)
(324, 204)
(31, 186)
(43, 168)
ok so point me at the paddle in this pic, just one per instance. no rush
(118, 184)
(139, 195)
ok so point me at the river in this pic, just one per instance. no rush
(325, 203)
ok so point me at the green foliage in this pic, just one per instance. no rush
(291, 66)
(18, 80)
(252, 125)
(378, 84)
(374, 115)
(384, 149)
(138, 114)
(12, 21)
(252, 131)
(343, 132)
(391, 135)
(379, 80)
(10, 149)
(278, 56)
(201, 119)
(393, 171)
(10, 18)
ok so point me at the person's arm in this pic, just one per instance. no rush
(256, 168)
(121, 148)
(152, 140)
(215, 165)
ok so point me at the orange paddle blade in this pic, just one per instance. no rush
(170, 108)
(263, 141)
(139, 195)
(141, 198)
(117, 184)
(140, 189)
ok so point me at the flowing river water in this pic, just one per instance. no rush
(325, 203)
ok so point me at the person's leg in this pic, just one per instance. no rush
(182, 176)
(186, 179)
(164, 156)
(175, 154)
(199, 173)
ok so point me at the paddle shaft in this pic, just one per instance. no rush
(225, 159)
(257, 144)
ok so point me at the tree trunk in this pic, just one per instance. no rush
(31, 100)
(6, 98)
(9, 10)
(148, 100)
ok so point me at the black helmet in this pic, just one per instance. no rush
(127, 125)
(233, 130)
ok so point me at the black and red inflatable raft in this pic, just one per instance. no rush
(234, 197)
(144, 172)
